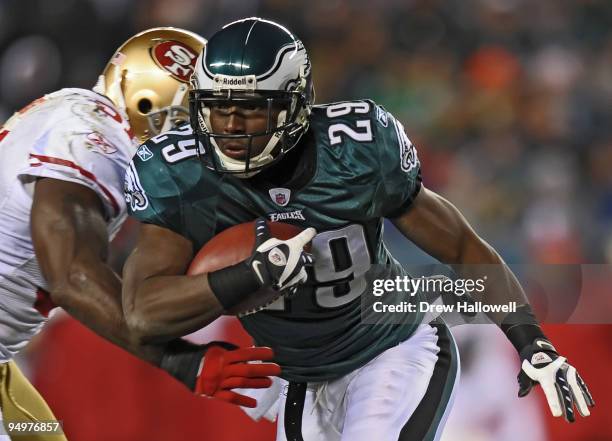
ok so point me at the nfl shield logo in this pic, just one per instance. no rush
(280, 196)
(144, 153)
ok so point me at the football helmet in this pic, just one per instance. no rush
(148, 76)
(252, 64)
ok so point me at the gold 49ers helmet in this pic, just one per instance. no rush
(148, 78)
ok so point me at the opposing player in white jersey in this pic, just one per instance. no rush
(61, 201)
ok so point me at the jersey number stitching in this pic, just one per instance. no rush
(363, 130)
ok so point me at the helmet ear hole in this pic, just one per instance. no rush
(144, 105)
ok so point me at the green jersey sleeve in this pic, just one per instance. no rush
(151, 193)
(399, 166)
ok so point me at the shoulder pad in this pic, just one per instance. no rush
(163, 165)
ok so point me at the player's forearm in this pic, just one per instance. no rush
(91, 293)
(478, 260)
(162, 308)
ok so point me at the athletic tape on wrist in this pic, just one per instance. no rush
(233, 284)
(521, 327)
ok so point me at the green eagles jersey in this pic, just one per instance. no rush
(362, 167)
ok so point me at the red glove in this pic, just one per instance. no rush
(224, 370)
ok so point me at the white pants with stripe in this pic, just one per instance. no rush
(405, 393)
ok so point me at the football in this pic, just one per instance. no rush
(232, 246)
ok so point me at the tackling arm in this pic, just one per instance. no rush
(71, 244)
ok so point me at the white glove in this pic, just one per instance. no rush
(279, 263)
(562, 385)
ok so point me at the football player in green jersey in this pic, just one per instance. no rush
(258, 147)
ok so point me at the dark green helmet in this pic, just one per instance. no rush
(253, 63)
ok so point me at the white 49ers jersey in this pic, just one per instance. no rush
(74, 135)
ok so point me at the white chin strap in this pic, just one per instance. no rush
(236, 165)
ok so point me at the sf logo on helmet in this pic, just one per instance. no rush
(177, 58)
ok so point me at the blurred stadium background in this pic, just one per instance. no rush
(509, 105)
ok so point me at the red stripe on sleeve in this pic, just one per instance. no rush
(89, 175)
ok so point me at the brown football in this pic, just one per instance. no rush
(232, 246)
